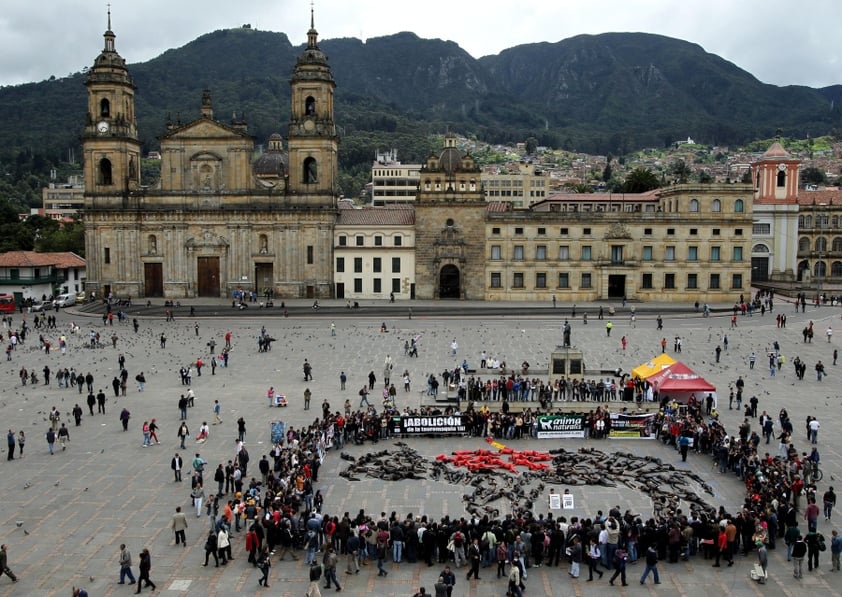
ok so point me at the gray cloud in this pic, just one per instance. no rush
(777, 42)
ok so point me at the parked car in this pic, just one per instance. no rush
(38, 306)
(65, 300)
(81, 297)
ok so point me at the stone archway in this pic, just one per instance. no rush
(449, 278)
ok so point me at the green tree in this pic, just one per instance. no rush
(640, 180)
(531, 145)
(705, 177)
(582, 188)
(681, 171)
(70, 236)
(607, 171)
(813, 175)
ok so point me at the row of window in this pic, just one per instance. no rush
(819, 245)
(377, 285)
(376, 265)
(359, 240)
(757, 228)
(586, 281)
(586, 253)
(821, 221)
(716, 206)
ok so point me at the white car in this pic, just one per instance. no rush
(65, 300)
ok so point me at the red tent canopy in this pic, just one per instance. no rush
(680, 378)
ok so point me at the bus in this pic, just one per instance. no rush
(7, 303)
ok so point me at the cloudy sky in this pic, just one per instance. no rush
(778, 41)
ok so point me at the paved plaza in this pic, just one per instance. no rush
(66, 515)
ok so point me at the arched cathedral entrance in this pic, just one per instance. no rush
(449, 282)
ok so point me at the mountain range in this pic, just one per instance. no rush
(607, 93)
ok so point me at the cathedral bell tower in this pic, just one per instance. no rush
(312, 141)
(110, 143)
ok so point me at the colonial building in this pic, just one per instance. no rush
(374, 252)
(31, 275)
(775, 229)
(215, 222)
(819, 239)
(684, 243)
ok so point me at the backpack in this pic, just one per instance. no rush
(822, 545)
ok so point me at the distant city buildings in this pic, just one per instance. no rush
(63, 201)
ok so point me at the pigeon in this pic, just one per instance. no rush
(18, 523)
(25, 532)
(56, 484)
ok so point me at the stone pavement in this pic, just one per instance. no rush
(77, 506)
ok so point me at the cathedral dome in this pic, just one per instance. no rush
(274, 162)
(451, 159)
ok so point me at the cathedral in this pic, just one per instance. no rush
(217, 221)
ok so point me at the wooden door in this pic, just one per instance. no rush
(263, 278)
(208, 273)
(153, 279)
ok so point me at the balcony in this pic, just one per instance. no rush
(31, 280)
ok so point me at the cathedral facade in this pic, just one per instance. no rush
(216, 221)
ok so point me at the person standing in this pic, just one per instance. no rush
(474, 555)
(22, 441)
(177, 464)
(835, 550)
(217, 409)
(763, 560)
(77, 414)
(63, 436)
(450, 578)
(307, 396)
(828, 499)
(145, 568)
(51, 440)
(125, 565)
(315, 575)
(593, 559)
(198, 495)
(514, 582)
(329, 562)
(183, 433)
(223, 545)
(799, 550)
(179, 525)
(264, 563)
(4, 564)
(651, 565)
(575, 553)
(11, 440)
(210, 549)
